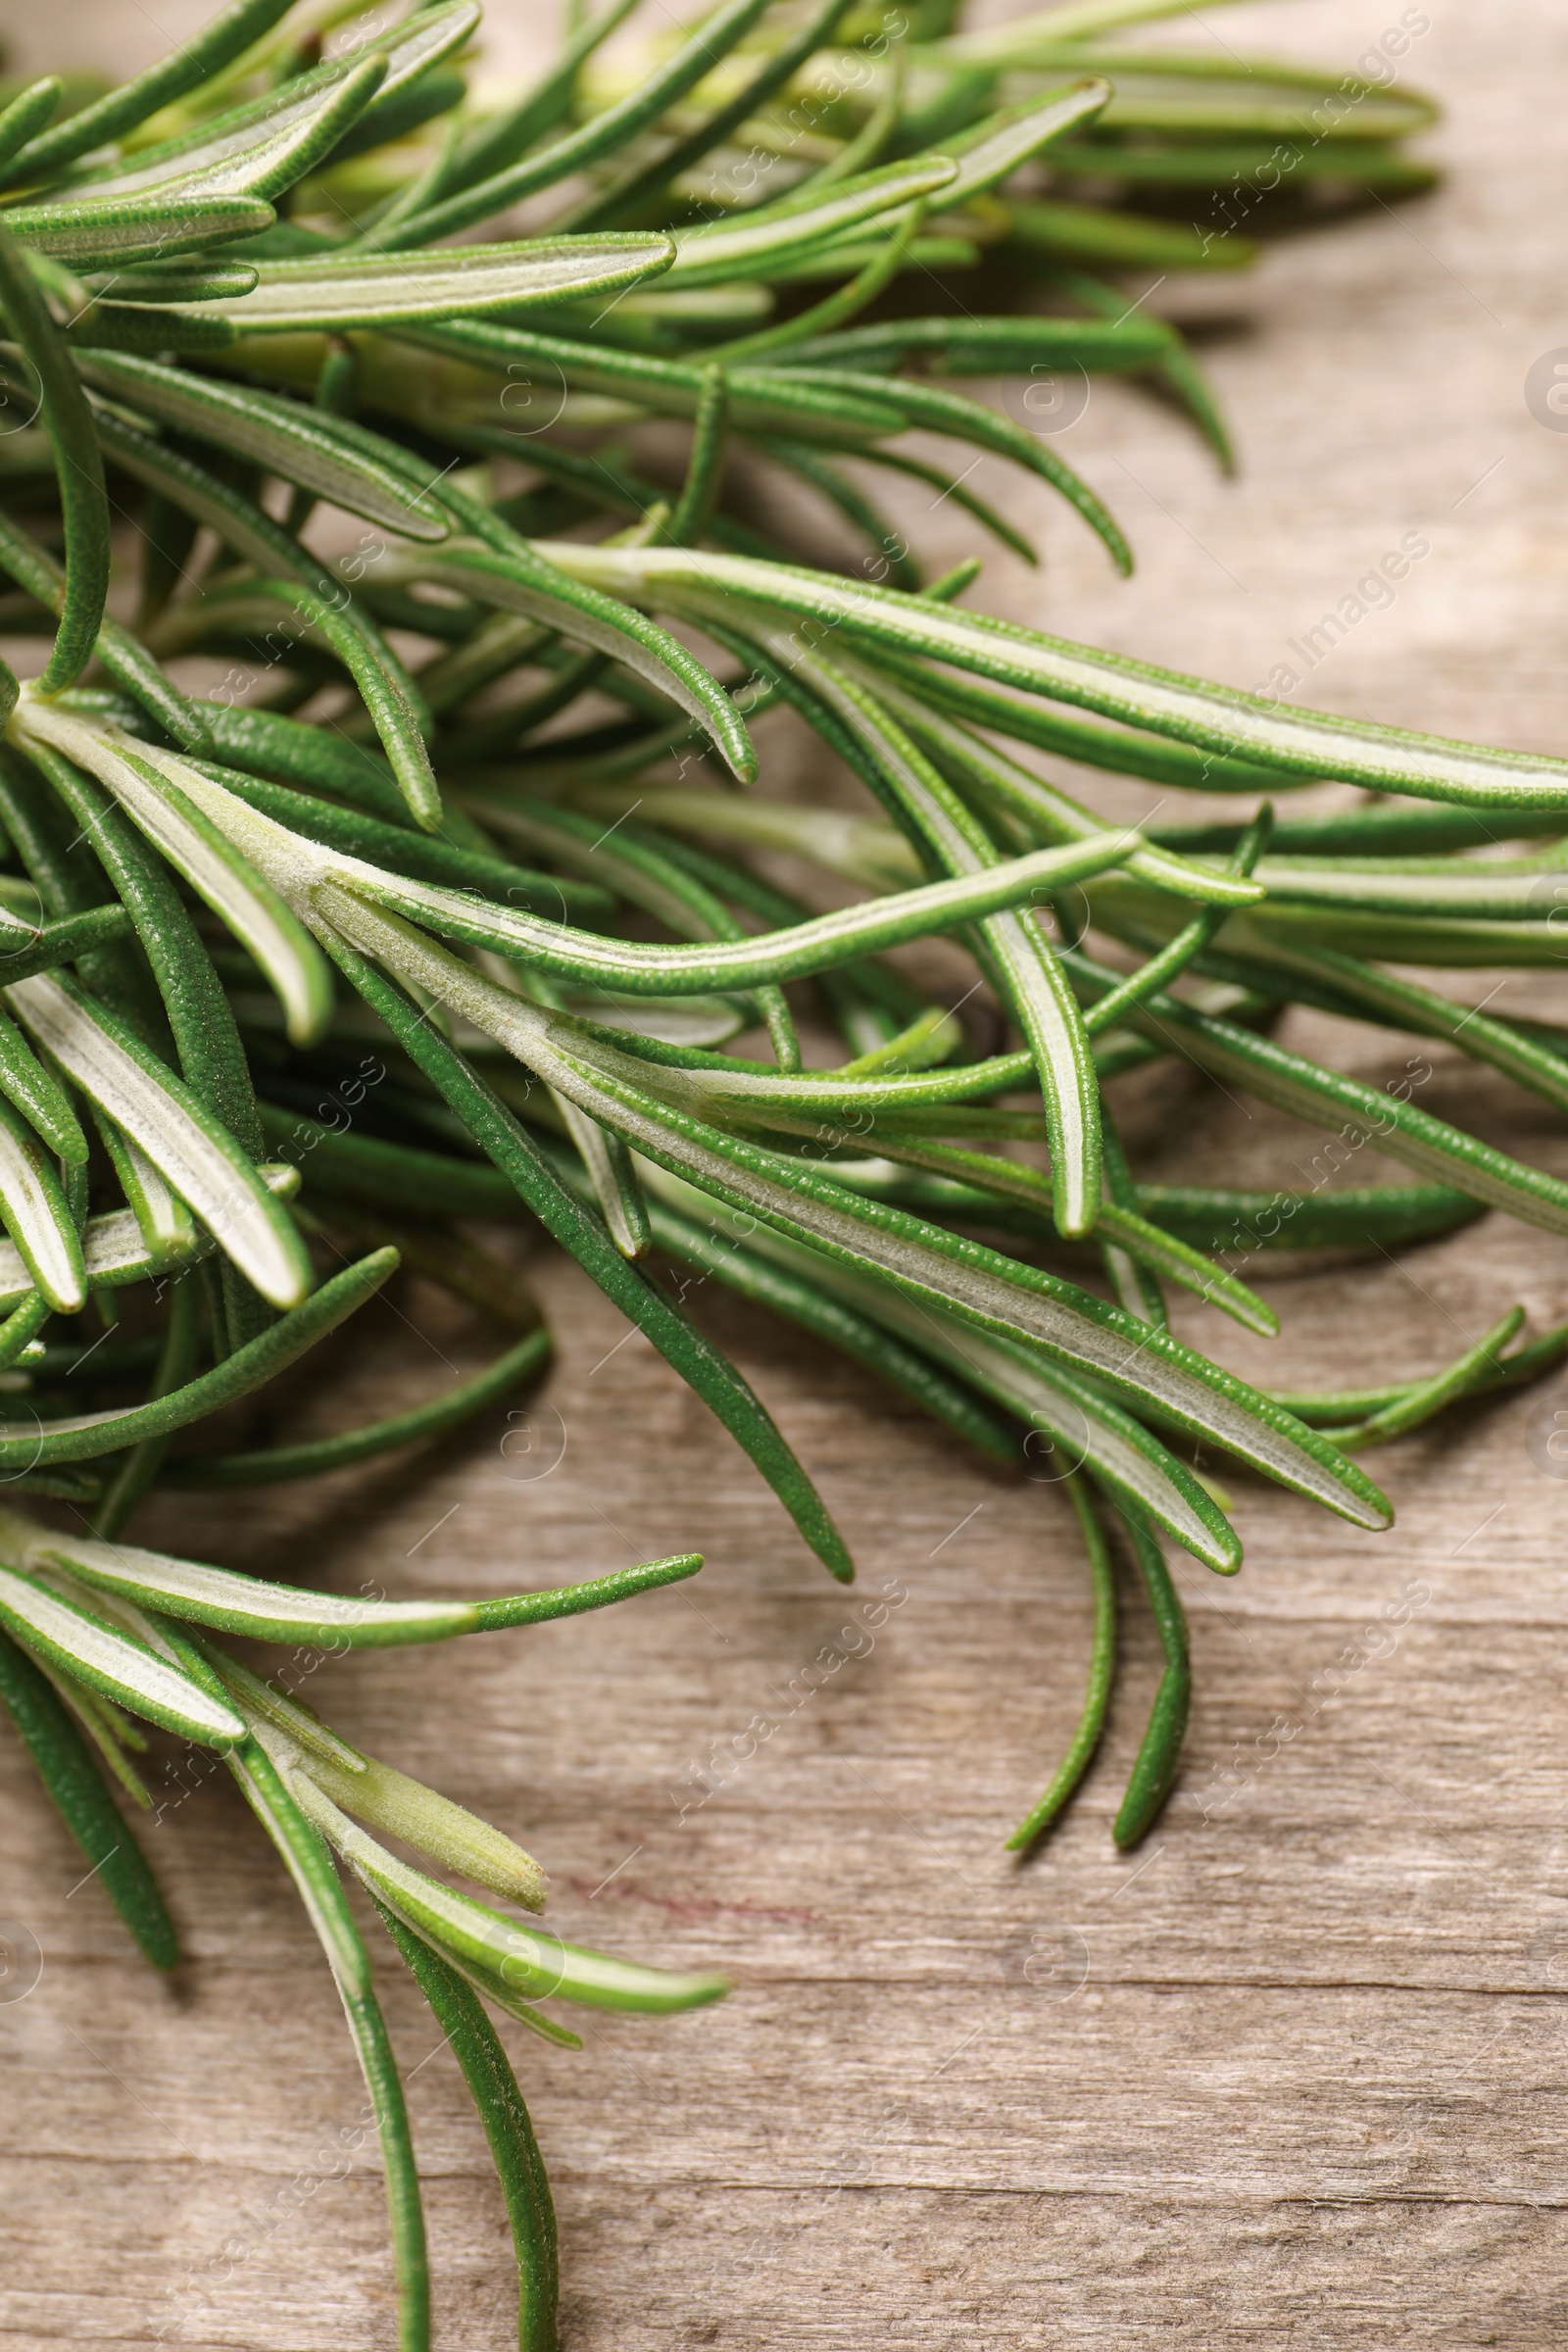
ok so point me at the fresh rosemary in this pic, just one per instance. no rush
(369, 471)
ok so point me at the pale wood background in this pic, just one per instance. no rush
(1295, 2074)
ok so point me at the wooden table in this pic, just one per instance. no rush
(1294, 2073)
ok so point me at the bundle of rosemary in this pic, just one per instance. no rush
(341, 865)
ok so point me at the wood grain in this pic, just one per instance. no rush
(1294, 2073)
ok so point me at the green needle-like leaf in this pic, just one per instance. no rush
(264, 145)
(1211, 1218)
(24, 1081)
(789, 57)
(1114, 1223)
(95, 235)
(713, 252)
(81, 1437)
(199, 1158)
(298, 581)
(927, 408)
(178, 1358)
(115, 1253)
(211, 1058)
(78, 464)
(418, 855)
(1003, 788)
(508, 1961)
(403, 1807)
(55, 943)
(38, 1215)
(124, 659)
(1101, 1665)
(965, 346)
(1215, 718)
(166, 1225)
(214, 867)
(486, 2070)
(515, 580)
(257, 152)
(26, 115)
(1347, 983)
(1159, 1750)
(183, 69)
(1477, 1365)
(82, 1644)
(296, 442)
(808, 403)
(245, 1604)
(310, 1866)
(790, 1294)
(422, 1423)
(69, 1772)
(361, 289)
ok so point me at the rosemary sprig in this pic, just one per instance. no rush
(230, 917)
(104, 1623)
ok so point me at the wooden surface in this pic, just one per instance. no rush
(1294, 2073)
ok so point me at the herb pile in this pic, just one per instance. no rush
(452, 763)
